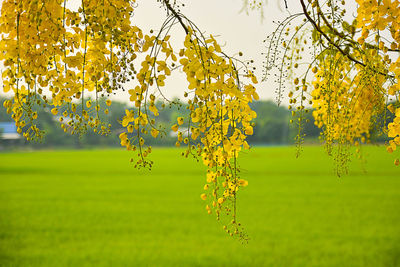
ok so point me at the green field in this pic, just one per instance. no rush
(92, 208)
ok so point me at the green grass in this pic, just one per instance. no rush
(92, 208)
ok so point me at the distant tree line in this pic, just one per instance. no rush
(271, 127)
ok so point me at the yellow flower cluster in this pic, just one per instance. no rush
(67, 60)
(220, 119)
(374, 16)
(354, 74)
(394, 132)
(219, 116)
(345, 106)
(53, 56)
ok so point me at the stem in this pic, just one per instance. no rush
(169, 7)
(333, 43)
(84, 57)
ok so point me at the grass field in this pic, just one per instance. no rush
(92, 208)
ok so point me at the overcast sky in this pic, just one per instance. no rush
(236, 31)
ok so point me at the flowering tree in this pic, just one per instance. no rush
(58, 57)
(346, 68)
(71, 60)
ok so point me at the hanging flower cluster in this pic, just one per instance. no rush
(59, 58)
(352, 75)
(345, 105)
(218, 122)
(57, 55)
(375, 17)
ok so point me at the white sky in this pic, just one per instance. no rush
(235, 32)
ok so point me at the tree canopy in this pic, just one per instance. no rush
(71, 61)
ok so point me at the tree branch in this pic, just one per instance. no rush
(333, 43)
(341, 35)
(176, 15)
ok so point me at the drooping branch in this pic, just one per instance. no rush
(170, 8)
(346, 54)
(341, 35)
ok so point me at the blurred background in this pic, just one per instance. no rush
(272, 127)
(78, 201)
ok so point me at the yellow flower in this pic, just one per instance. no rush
(249, 130)
(154, 133)
(54, 111)
(175, 127)
(128, 118)
(243, 182)
(130, 128)
(124, 139)
(203, 196)
(391, 108)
